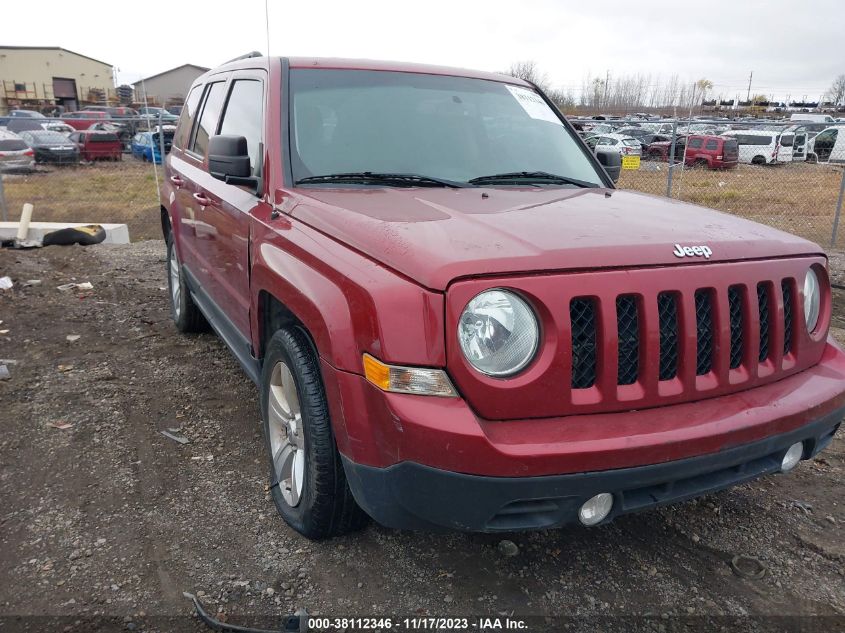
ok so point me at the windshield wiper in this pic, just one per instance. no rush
(401, 180)
(530, 177)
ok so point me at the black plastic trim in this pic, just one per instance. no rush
(408, 495)
(239, 345)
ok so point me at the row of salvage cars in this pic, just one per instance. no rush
(719, 146)
(24, 143)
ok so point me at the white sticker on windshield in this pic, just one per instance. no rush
(533, 104)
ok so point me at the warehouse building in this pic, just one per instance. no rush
(38, 77)
(169, 87)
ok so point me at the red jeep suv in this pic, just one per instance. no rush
(455, 321)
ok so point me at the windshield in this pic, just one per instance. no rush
(455, 128)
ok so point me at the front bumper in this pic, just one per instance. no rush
(408, 495)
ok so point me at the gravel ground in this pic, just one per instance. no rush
(107, 518)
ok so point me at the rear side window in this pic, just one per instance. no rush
(212, 104)
(786, 140)
(186, 120)
(12, 145)
(244, 115)
(712, 144)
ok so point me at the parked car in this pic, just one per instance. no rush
(84, 119)
(828, 146)
(25, 114)
(114, 112)
(712, 152)
(96, 145)
(762, 147)
(455, 321)
(661, 149)
(157, 114)
(55, 125)
(175, 110)
(645, 137)
(625, 145)
(15, 154)
(147, 145)
(51, 147)
(122, 132)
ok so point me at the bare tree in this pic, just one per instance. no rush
(529, 71)
(837, 90)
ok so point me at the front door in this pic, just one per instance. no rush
(228, 208)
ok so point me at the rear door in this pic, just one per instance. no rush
(784, 147)
(799, 145)
(185, 168)
(225, 250)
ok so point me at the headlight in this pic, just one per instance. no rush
(498, 333)
(812, 300)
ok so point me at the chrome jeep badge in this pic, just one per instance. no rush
(692, 251)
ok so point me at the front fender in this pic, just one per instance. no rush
(349, 303)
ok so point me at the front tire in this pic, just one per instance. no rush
(307, 481)
(186, 315)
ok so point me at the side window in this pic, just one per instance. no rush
(212, 104)
(711, 144)
(244, 115)
(695, 143)
(186, 120)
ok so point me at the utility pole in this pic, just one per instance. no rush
(748, 95)
(606, 83)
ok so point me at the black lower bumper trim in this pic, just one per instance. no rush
(413, 496)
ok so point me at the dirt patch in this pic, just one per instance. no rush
(110, 518)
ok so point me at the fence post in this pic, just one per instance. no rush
(3, 211)
(838, 210)
(672, 158)
(160, 138)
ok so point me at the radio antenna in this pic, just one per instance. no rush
(267, 26)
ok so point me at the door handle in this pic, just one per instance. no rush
(177, 181)
(202, 199)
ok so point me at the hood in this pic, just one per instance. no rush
(435, 235)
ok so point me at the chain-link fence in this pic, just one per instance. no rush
(783, 174)
(105, 172)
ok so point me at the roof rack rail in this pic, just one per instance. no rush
(247, 56)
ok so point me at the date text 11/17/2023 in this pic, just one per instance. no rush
(417, 624)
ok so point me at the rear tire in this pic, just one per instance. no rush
(307, 480)
(758, 160)
(186, 315)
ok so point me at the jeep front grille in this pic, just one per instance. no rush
(719, 314)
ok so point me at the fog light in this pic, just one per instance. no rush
(792, 457)
(596, 508)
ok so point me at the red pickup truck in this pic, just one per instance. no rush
(455, 321)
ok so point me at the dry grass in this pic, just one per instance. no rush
(799, 198)
(104, 192)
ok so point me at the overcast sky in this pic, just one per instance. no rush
(794, 48)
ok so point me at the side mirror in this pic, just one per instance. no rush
(612, 163)
(228, 158)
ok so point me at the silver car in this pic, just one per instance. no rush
(15, 154)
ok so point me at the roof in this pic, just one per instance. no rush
(52, 48)
(202, 69)
(370, 64)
